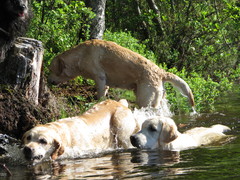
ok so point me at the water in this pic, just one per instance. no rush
(220, 161)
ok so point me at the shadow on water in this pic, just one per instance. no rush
(219, 161)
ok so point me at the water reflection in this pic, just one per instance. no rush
(135, 164)
(119, 164)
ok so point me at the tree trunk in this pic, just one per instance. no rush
(144, 24)
(98, 22)
(158, 19)
(22, 67)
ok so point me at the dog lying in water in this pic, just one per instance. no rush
(162, 132)
(108, 124)
(111, 65)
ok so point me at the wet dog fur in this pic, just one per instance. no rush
(162, 132)
(108, 124)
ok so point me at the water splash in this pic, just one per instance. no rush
(15, 155)
(149, 112)
(194, 112)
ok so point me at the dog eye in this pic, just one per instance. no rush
(152, 128)
(29, 138)
(42, 141)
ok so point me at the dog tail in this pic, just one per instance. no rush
(220, 128)
(181, 85)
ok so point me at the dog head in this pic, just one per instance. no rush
(155, 132)
(41, 143)
(59, 71)
(17, 8)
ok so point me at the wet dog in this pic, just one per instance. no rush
(162, 132)
(109, 64)
(14, 20)
(108, 124)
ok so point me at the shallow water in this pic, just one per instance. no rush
(220, 161)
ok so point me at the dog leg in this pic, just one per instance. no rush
(123, 126)
(148, 96)
(102, 89)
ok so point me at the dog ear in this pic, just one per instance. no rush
(57, 66)
(168, 133)
(61, 66)
(58, 150)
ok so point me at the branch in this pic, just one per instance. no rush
(158, 20)
(143, 22)
(6, 169)
(217, 13)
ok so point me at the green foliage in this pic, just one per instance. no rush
(125, 39)
(59, 25)
(200, 36)
(199, 43)
(206, 91)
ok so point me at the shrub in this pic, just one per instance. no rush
(59, 25)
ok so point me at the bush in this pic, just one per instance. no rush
(205, 90)
(59, 25)
(125, 39)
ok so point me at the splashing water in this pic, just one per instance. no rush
(149, 112)
(194, 113)
(15, 155)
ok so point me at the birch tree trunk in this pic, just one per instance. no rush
(98, 22)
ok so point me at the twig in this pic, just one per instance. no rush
(6, 169)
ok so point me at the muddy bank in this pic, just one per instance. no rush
(17, 114)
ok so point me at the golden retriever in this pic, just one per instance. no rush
(111, 65)
(108, 124)
(162, 132)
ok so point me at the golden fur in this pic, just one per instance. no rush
(109, 64)
(108, 124)
(162, 132)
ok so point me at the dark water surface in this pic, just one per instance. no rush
(220, 161)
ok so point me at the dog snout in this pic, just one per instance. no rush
(28, 152)
(134, 141)
(19, 5)
(22, 7)
(50, 81)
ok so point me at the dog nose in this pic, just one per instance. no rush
(133, 140)
(22, 7)
(51, 81)
(28, 152)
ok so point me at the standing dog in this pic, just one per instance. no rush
(161, 132)
(109, 64)
(108, 124)
(14, 20)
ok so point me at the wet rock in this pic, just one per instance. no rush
(5, 141)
